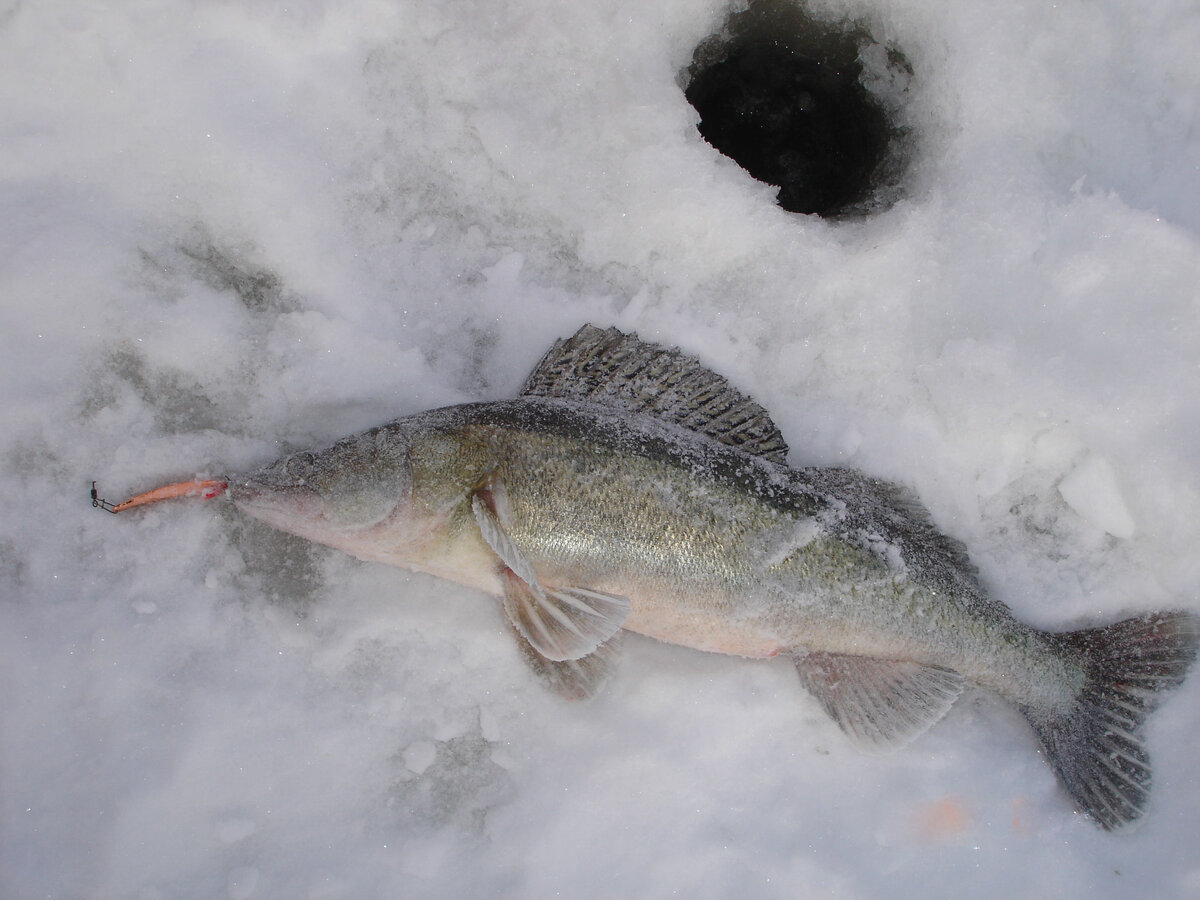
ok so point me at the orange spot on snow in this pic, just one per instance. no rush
(944, 820)
(1020, 807)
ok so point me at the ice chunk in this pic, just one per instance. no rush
(419, 756)
(1091, 490)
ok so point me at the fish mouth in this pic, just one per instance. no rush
(273, 501)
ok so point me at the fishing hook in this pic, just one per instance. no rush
(98, 503)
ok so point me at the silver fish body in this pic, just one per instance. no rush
(589, 505)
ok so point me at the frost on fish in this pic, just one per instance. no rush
(628, 487)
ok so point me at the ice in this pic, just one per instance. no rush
(235, 230)
(243, 882)
(1091, 490)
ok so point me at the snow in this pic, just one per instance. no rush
(237, 229)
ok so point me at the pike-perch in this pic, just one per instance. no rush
(628, 487)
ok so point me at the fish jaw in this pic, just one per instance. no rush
(291, 509)
(334, 495)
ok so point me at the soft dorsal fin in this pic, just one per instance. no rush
(619, 370)
(873, 505)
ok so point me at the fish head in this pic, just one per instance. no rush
(337, 495)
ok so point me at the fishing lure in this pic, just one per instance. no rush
(205, 489)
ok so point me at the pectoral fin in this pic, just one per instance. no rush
(878, 701)
(560, 623)
(483, 505)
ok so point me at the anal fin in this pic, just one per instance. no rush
(878, 702)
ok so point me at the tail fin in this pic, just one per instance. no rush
(1097, 749)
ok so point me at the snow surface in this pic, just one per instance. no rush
(232, 229)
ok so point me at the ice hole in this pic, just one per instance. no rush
(812, 107)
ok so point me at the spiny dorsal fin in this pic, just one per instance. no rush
(619, 370)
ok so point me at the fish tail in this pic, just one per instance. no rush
(1096, 747)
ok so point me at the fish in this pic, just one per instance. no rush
(629, 488)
